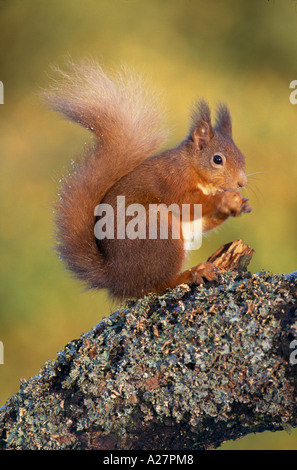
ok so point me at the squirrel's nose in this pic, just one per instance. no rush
(242, 180)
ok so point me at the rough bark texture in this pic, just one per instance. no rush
(186, 370)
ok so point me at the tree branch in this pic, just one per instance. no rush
(186, 370)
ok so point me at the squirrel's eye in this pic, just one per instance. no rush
(217, 159)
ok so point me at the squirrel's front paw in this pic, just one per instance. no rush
(232, 203)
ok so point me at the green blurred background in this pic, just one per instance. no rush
(241, 52)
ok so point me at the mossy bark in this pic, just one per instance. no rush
(186, 370)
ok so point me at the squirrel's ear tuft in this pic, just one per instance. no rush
(223, 120)
(201, 131)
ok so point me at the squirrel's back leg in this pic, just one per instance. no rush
(135, 267)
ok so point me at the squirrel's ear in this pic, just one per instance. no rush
(223, 120)
(201, 132)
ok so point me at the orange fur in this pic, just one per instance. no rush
(128, 126)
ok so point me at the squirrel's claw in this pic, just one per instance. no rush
(246, 208)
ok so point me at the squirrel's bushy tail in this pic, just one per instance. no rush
(127, 122)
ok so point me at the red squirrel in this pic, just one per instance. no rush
(206, 168)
